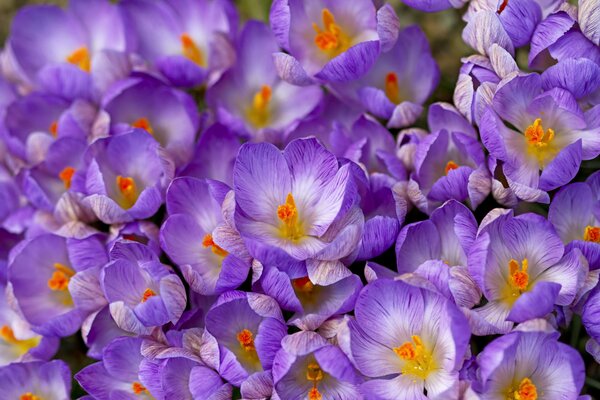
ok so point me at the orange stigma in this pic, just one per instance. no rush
(191, 51)
(208, 242)
(314, 374)
(417, 361)
(147, 294)
(259, 113)
(66, 175)
(138, 388)
(392, 88)
(29, 396)
(540, 144)
(450, 166)
(59, 281)
(54, 129)
(287, 213)
(80, 58)
(526, 391)
(246, 340)
(128, 190)
(519, 278)
(144, 124)
(303, 284)
(313, 394)
(331, 39)
(502, 7)
(592, 234)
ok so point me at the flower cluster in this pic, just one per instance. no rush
(225, 209)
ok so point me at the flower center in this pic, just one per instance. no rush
(208, 242)
(392, 88)
(259, 113)
(144, 124)
(59, 281)
(314, 374)
(540, 143)
(246, 340)
(450, 166)
(331, 39)
(303, 285)
(128, 190)
(519, 278)
(138, 388)
(191, 51)
(23, 346)
(29, 396)
(291, 227)
(147, 294)
(417, 360)
(53, 129)
(592, 234)
(80, 58)
(525, 391)
(66, 175)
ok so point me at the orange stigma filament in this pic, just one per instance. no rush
(392, 88)
(519, 278)
(29, 396)
(303, 284)
(22, 345)
(208, 242)
(259, 114)
(80, 58)
(287, 213)
(191, 51)
(59, 281)
(147, 294)
(54, 129)
(417, 361)
(128, 190)
(525, 391)
(331, 39)
(246, 340)
(450, 166)
(138, 388)
(314, 374)
(313, 394)
(66, 175)
(592, 234)
(502, 7)
(143, 123)
(540, 143)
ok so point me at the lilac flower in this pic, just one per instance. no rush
(307, 366)
(125, 177)
(297, 207)
(529, 363)
(36, 380)
(249, 328)
(169, 115)
(553, 136)
(98, 330)
(251, 99)
(522, 268)
(141, 291)
(399, 82)
(330, 41)
(186, 41)
(407, 339)
(209, 251)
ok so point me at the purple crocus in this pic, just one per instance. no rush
(553, 135)
(330, 41)
(309, 367)
(523, 270)
(186, 41)
(249, 328)
(125, 176)
(210, 253)
(297, 207)
(590, 316)
(36, 380)
(407, 339)
(529, 363)
(251, 99)
(399, 82)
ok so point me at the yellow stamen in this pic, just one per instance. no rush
(128, 190)
(246, 340)
(80, 58)
(303, 284)
(22, 345)
(259, 114)
(592, 234)
(519, 278)
(291, 227)
(392, 88)
(208, 242)
(540, 143)
(191, 51)
(331, 39)
(138, 388)
(66, 175)
(525, 391)
(54, 129)
(417, 360)
(29, 396)
(59, 281)
(143, 123)
(450, 166)
(147, 294)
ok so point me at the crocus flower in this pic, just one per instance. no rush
(523, 270)
(251, 99)
(249, 328)
(118, 374)
(330, 41)
(308, 367)
(434, 5)
(196, 237)
(186, 41)
(36, 380)
(407, 339)
(169, 115)
(572, 214)
(399, 82)
(297, 206)
(590, 316)
(141, 291)
(126, 176)
(553, 135)
(530, 364)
